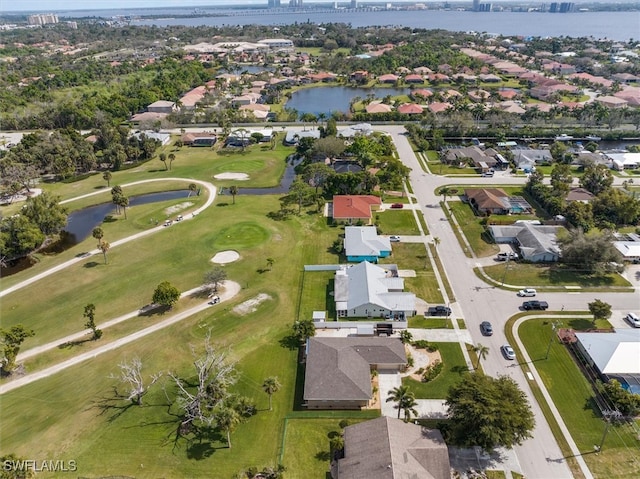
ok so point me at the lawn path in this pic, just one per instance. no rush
(231, 289)
(66, 264)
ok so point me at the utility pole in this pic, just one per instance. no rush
(555, 325)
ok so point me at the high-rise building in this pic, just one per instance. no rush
(354, 3)
(274, 4)
(295, 3)
(42, 19)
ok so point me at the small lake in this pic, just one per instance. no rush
(325, 99)
(80, 223)
(285, 182)
(253, 69)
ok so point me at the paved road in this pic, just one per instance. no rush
(66, 264)
(539, 457)
(231, 288)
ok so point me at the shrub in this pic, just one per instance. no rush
(432, 371)
(410, 360)
(421, 344)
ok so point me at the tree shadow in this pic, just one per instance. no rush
(262, 270)
(109, 219)
(100, 187)
(289, 342)
(200, 451)
(460, 369)
(323, 456)
(222, 204)
(153, 310)
(580, 324)
(91, 264)
(112, 407)
(72, 344)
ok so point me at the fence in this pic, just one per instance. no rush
(322, 267)
(354, 324)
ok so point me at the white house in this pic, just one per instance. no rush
(538, 243)
(367, 291)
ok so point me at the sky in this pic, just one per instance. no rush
(44, 6)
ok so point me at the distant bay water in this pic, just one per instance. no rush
(610, 25)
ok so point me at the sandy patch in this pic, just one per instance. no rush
(224, 257)
(251, 305)
(407, 273)
(178, 208)
(232, 176)
(20, 196)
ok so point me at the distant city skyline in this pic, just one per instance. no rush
(53, 5)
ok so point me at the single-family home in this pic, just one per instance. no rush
(362, 243)
(527, 158)
(388, 448)
(414, 78)
(338, 370)
(410, 109)
(496, 201)
(483, 159)
(537, 243)
(366, 290)
(613, 355)
(355, 208)
(628, 245)
(162, 106)
(377, 107)
(388, 78)
(292, 137)
(623, 161)
(612, 102)
(579, 194)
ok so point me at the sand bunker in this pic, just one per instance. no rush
(224, 257)
(178, 208)
(251, 305)
(232, 176)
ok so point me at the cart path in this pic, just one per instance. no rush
(231, 289)
(66, 264)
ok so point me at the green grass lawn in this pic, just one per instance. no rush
(396, 222)
(454, 367)
(316, 294)
(414, 256)
(574, 398)
(438, 168)
(534, 275)
(476, 234)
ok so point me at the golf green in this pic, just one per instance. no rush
(239, 236)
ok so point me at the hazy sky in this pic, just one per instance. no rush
(54, 5)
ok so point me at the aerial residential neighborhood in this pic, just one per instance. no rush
(313, 251)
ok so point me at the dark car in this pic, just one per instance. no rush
(439, 311)
(527, 305)
(486, 329)
(397, 205)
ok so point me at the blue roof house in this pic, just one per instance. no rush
(362, 243)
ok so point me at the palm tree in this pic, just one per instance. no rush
(271, 385)
(406, 336)
(107, 177)
(172, 158)
(398, 395)
(445, 191)
(192, 188)
(408, 406)
(270, 262)
(482, 352)
(104, 247)
(233, 191)
(227, 419)
(98, 234)
(123, 202)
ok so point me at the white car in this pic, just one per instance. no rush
(394, 238)
(633, 320)
(527, 292)
(508, 352)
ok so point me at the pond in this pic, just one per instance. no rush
(253, 69)
(81, 223)
(326, 99)
(285, 182)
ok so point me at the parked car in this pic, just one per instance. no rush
(508, 352)
(394, 238)
(398, 206)
(633, 320)
(439, 311)
(486, 329)
(527, 305)
(507, 256)
(527, 292)
(488, 174)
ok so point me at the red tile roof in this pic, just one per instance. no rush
(354, 206)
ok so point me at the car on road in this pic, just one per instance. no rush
(542, 305)
(508, 352)
(507, 256)
(527, 292)
(486, 329)
(398, 206)
(394, 238)
(633, 320)
(488, 174)
(439, 311)
(214, 300)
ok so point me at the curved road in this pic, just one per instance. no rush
(66, 264)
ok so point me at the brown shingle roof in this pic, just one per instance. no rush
(486, 198)
(387, 448)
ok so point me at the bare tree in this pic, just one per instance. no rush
(131, 376)
(215, 373)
